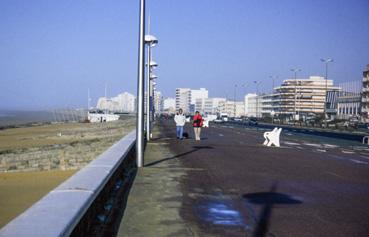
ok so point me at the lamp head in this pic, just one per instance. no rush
(153, 64)
(151, 40)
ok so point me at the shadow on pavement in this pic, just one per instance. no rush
(267, 200)
(195, 148)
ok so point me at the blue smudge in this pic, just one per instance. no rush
(220, 213)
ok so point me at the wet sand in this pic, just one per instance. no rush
(19, 190)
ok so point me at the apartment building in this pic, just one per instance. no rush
(232, 108)
(124, 102)
(208, 105)
(169, 105)
(253, 105)
(303, 96)
(186, 98)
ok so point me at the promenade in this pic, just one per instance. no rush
(228, 184)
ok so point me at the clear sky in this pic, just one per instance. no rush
(52, 51)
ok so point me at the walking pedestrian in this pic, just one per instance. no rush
(197, 124)
(180, 120)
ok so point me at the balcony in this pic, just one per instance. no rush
(366, 89)
(365, 100)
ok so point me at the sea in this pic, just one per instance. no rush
(19, 117)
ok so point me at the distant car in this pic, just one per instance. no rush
(237, 119)
(218, 120)
(363, 125)
(251, 121)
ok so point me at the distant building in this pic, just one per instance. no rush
(349, 100)
(268, 102)
(232, 108)
(107, 104)
(169, 105)
(186, 98)
(183, 99)
(158, 102)
(365, 95)
(253, 105)
(303, 96)
(124, 102)
(208, 105)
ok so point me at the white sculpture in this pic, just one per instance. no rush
(272, 137)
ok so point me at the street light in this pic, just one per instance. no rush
(234, 107)
(326, 61)
(244, 101)
(153, 64)
(140, 86)
(151, 41)
(295, 70)
(273, 78)
(257, 98)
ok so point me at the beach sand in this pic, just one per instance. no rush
(19, 190)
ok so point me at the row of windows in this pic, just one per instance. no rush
(350, 110)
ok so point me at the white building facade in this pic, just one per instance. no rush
(208, 105)
(158, 102)
(253, 105)
(124, 102)
(169, 105)
(186, 98)
(232, 108)
(303, 96)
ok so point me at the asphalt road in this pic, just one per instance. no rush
(235, 186)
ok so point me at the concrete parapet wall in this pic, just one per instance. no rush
(81, 202)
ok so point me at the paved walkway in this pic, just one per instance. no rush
(153, 207)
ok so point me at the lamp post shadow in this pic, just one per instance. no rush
(267, 200)
(195, 149)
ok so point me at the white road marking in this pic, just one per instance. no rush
(221, 135)
(292, 143)
(347, 152)
(365, 157)
(313, 144)
(321, 150)
(330, 146)
(334, 174)
(336, 157)
(359, 161)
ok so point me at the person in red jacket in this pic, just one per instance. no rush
(197, 124)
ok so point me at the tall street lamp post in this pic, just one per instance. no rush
(244, 94)
(326, 61)
(140, 87)
(153, 77)
(234, 107)
(257, 98)
(151, 41)
(295, 70)
(273, 80)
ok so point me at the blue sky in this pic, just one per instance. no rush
(51, 52)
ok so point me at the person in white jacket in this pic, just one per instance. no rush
(180, 120)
